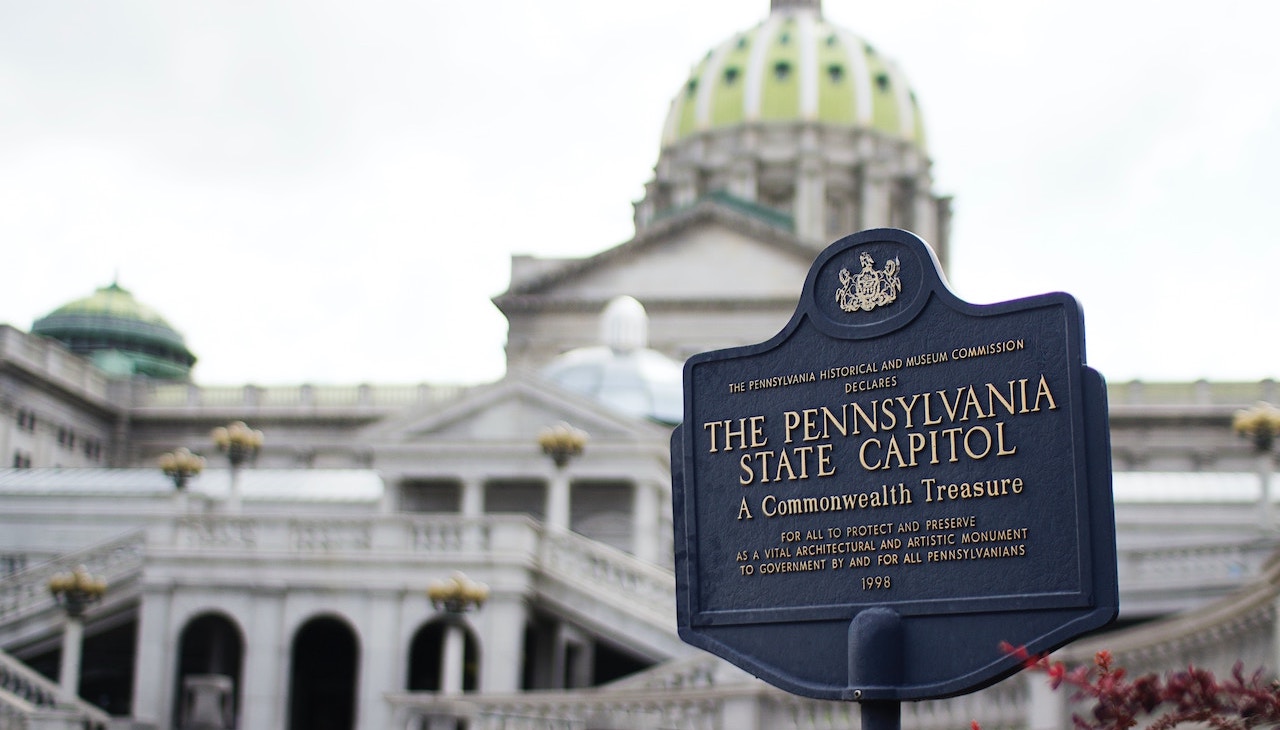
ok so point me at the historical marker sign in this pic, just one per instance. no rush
(869, 503)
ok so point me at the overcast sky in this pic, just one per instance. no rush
(330, 192)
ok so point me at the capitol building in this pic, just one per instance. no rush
(382, 556)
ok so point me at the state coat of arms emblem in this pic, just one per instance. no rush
(871, 287)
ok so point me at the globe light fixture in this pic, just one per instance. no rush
(457, 594)
(562, 442)
(240, 443)
(180, 465)
(1260, 423)
(77, 590)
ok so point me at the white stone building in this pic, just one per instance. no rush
(291, 593)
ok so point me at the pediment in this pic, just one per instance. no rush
(708, 253)
(513, 410)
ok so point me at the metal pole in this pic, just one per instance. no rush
(884, 715)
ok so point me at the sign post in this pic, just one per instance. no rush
(867, 505)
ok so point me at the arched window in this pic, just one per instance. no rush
(211, 646)
(324, 665)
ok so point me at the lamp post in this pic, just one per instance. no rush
(561, 442)
(240, 443)
(180, 465)
(1260, 423)
(455, 596)
(74, 592)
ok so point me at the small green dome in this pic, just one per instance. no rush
(795, 67)
(119, 334)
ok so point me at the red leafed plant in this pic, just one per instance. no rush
(1188, 696)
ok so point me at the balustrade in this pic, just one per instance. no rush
(28, 591)
(25, 694)
(634, 704)
(608, 572)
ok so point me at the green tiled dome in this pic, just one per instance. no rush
(795, 67)
(121, 335)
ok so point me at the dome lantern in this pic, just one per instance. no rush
(776, 5)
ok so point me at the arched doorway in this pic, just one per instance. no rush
(322, 676)
(210, 645)
(426, 654)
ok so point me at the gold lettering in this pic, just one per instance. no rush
(972, 403)
(994, 394)
(825, 468)
(968, 449)
(831, 420)
(862, 454)
(791, 420)
(1042, 391)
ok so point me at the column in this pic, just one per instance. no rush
(382, 663)
(472, 497)
(504, 618)
(925, 217)
(571, 668)
(264, 694)
(875, 200)
(686, 188)
(811, 199)
(742, 179)
(153, 651)
(472, 509)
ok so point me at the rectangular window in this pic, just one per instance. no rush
(26, 420)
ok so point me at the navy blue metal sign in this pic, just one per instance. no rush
(871, 502)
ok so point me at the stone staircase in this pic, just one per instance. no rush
(30, 701)
(28, 610)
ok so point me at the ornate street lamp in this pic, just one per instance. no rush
(1260, 424)
(74, 592)
(456, 595)
(240, 443)
(561, 442)
(180, 465)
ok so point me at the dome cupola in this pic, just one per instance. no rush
(804, 118)
(795, 67)
(119, 334)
